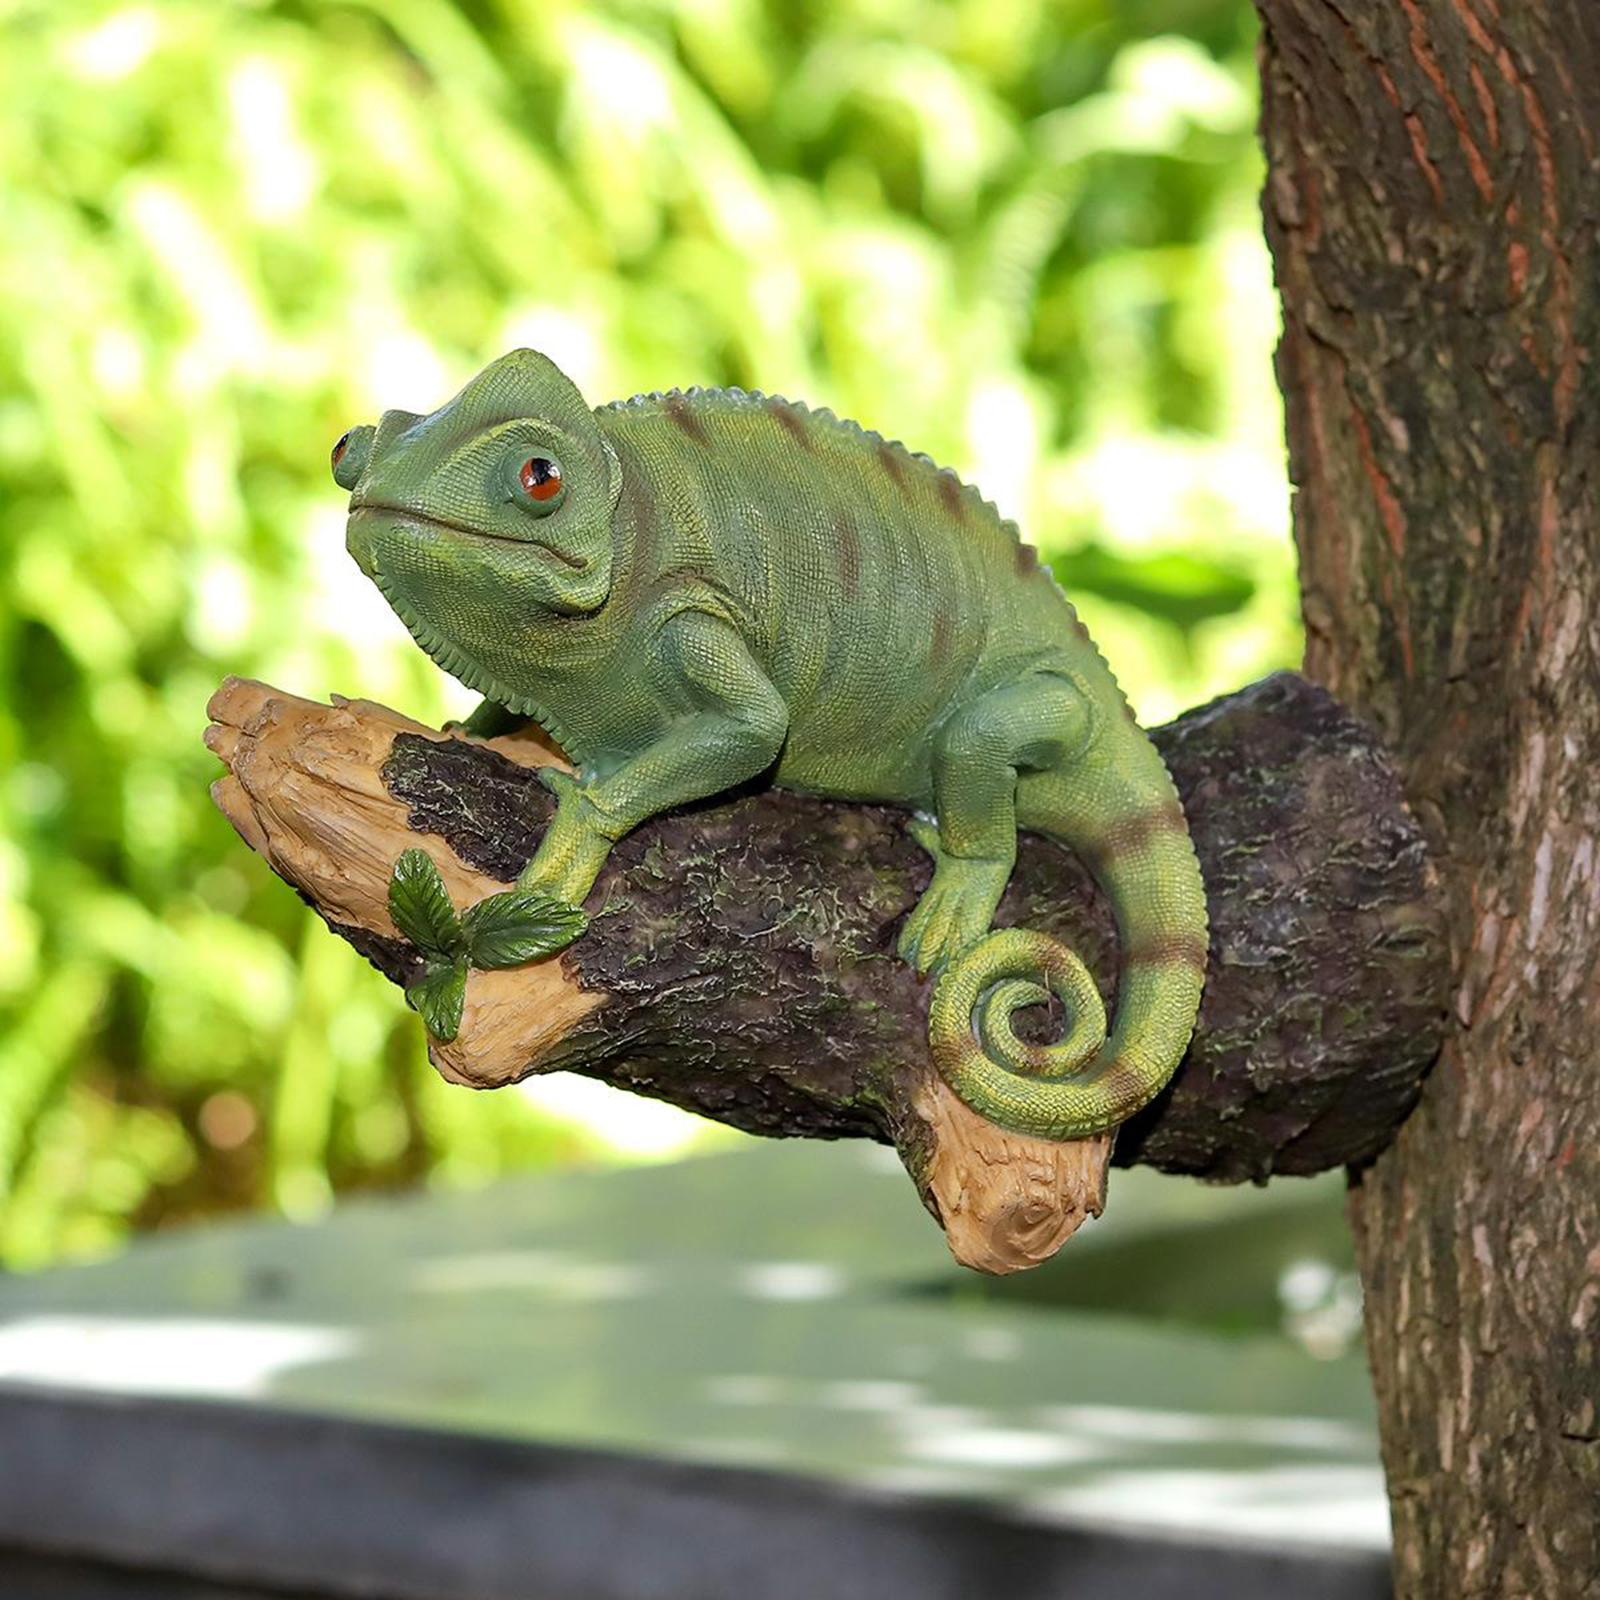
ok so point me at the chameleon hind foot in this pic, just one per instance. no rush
(956, 909)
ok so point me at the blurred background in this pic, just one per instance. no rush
(1021, 235)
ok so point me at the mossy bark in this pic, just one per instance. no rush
(746, 948)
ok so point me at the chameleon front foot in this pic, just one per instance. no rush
(501, 930)
(957, 908)
(575, 845)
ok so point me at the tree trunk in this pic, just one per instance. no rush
(1432, 207)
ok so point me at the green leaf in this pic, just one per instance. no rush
(420, 906)
(1184, 588)
(520, 925)
(437, 997)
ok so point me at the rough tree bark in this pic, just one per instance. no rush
(1432, 207)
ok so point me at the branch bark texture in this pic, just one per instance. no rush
(740, 958)
(1432, 206)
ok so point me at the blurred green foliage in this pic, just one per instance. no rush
(1020, 234)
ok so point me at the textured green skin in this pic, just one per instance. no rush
(732, 585)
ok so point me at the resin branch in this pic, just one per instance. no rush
(740, 959)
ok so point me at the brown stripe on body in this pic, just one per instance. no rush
(1128, 835)
(889, 460)
(791, 422)
(679, 409)
(847, 543)
(1122, 1084)
(944, 629)
(1169, 949)
(1057, 965)
(960, 1055)
(639, 512)
(1031, 1060)
(950, 494)
(1026, 559)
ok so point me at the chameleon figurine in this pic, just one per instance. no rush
(691, 590)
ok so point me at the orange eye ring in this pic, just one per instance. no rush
(540, 478)
(341, 446)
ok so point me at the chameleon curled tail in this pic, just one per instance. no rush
(1086, 1081)
(1031, 1088)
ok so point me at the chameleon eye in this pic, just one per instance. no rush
(540, 478)
(349, 457)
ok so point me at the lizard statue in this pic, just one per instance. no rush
(691, 590)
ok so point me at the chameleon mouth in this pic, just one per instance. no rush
(461, 531)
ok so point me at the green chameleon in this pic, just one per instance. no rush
(690, 590)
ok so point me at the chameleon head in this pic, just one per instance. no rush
(482, 520)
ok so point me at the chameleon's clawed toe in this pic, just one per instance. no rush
(954, 913)
(558, 781)
(938, 937)
(923, 939)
